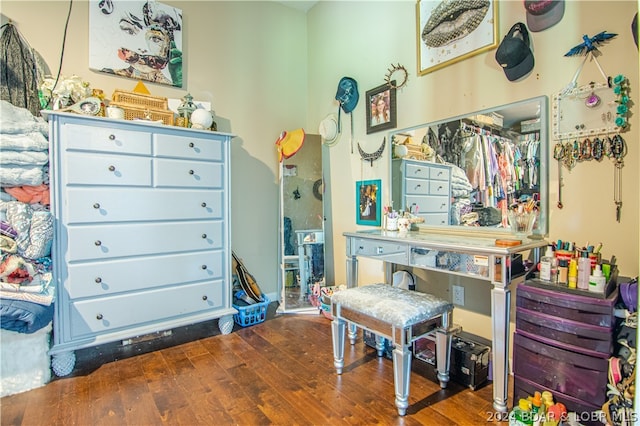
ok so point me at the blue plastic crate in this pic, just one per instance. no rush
(251, 314)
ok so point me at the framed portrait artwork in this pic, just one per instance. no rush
(449, 31)
(368, 197)
(138, 39)
(381, 108)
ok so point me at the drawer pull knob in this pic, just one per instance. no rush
(204, 297)
(99, 317)
(204, 236)
(112, 168)
(418, 186)
(96, 205)
(204, 266)
(443, 205)
(98, 243)
(191, 145)
(440, 188)
(98, 280)
(191, 172)
(112, 137)
(379, 250)
(204, 204)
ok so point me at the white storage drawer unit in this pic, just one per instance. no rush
(142, 236)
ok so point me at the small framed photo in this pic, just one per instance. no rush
(368, 200)
(448, 31)
(381, 108)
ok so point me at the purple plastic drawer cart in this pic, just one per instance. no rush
(562, 344)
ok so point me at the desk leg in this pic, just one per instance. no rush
(500, 307)
(352, 271)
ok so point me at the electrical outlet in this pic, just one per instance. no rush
(457, 295)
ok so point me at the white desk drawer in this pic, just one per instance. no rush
(122, 240)
(181, 173)
(106, 139)
(382, 250)
(91, 169)
(85, 205)
(106, 314)
(114, 276)
(187, 147)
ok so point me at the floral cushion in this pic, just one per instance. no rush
(393, 305)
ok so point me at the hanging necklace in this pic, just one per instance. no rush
(618, 151)
(370, 157)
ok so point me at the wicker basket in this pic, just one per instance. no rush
(133, 112)
(140, 100)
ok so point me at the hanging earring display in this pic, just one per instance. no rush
(370, 157)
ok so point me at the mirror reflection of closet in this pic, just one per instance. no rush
(302, 239)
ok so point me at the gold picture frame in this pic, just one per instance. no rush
(474, 30)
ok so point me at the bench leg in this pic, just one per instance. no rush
(401, 376)
(380, 341)
(443, 350)
(337, 334)
(352, 333)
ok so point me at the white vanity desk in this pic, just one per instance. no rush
(459, 254)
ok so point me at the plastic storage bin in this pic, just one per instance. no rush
(251, 314)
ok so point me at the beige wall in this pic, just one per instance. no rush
(363, 39)
(248, 58)
(268, 68)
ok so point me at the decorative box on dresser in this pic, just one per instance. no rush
(562, 344)
(142, 230)
(425, 188)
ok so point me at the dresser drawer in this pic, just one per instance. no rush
(114, 276)
(91, 169)
(106, 314)
(122, 240)
(86, 205)
(381, 250)
(439, 172)
(181, 173)
(429, 203)
(439, 187)
(435, 218)
(417, 186)
(583, 376)
(105, 139)
(420, 171)
(167, 145)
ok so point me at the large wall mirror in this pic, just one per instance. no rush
(302, 239)
(485, 171)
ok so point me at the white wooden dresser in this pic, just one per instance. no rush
(142, 234)
(425, 188)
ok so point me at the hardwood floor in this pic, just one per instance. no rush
(278, 372)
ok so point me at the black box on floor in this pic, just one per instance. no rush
(470, 356)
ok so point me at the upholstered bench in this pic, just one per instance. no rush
(402, 316)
